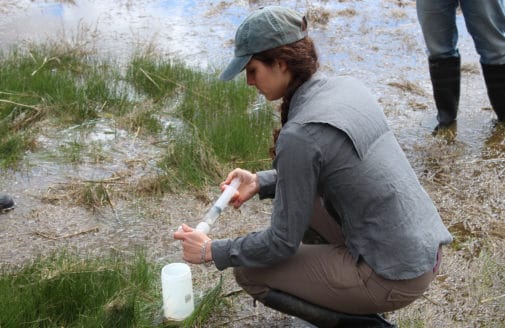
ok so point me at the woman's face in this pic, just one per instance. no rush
(271, 81)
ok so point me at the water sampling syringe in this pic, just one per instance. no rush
(220, 204)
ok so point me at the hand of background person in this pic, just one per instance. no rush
(192, 241)
(249, 186)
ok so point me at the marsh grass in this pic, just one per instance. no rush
(89, 194)
(12, 146)
(145, 121)
(224, 124)
(188, 162)
(208, 305)
(60, 82)
(63, 290)
(51, 83)
(72, 151)
(115, 291)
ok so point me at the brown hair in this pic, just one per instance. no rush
(301, 59)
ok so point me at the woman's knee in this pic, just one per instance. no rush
(245, 279)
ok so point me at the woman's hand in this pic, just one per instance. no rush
(249, 186)
(193, 245)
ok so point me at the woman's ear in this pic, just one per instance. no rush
(281, 64)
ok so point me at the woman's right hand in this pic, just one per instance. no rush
(249, 186)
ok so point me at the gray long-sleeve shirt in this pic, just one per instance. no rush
(336, 144)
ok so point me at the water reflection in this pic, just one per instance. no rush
(186, 6)
(51, 9)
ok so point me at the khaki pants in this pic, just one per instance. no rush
(328, 276)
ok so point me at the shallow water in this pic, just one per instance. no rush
(359, 34)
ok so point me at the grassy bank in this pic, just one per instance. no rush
(206, 125)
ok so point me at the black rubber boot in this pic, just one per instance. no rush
(319, 316)
(445, 76)
(494, 75)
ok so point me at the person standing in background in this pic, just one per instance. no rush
(485, 21)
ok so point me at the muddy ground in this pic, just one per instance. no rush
(462, 169)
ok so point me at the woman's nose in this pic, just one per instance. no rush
(250, 80)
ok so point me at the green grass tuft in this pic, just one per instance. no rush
(66, 291)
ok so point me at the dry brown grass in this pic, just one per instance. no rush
(408, 86)
(470, 68)
(349, 12)
(318, 16)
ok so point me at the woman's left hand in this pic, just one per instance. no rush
(192, 245)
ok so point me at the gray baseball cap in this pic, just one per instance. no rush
(266, 28)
